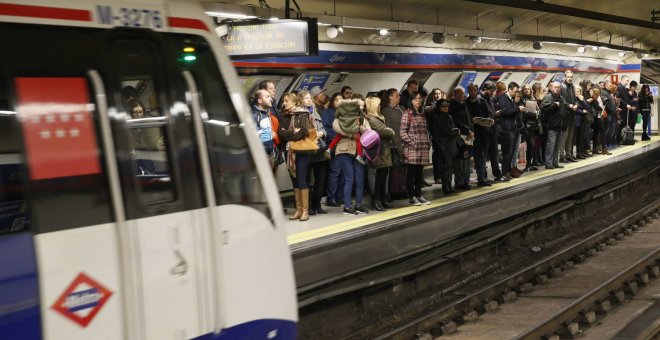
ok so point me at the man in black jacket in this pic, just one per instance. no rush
(566, 143)
(506, 120)
(612, 111)
(461, 116)
(553, 108)
(491, 142)
(482, 123)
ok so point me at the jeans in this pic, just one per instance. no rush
(610, 130)
(646, 123)
(335, 180)
(552, 147)
(302, 166)
(516, 150)
(354, 173)
(480, 154)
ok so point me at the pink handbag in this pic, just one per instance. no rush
(369, 140)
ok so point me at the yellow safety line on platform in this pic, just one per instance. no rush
(460, 195)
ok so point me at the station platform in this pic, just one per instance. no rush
(328, 247)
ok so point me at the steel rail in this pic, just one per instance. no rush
(555, 322)
(425, 322)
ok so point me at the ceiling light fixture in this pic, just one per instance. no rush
(475, 39)
(622, 54)
(332, 32)
(537, 45)
(383, 32)
(594, 48)
(230, 15)
(581, 49)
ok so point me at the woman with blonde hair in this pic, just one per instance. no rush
(318, 163)
(383, 162)
(295, 126)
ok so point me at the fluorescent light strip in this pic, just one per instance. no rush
(230, 15)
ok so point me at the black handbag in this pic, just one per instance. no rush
(397, 162)
(532, 125)
(322, 144)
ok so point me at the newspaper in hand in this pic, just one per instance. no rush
(487, 122)
(531, 106)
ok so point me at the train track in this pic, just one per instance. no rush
(568, 320)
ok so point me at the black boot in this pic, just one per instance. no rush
(377, 206)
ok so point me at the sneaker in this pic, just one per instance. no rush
(349, 211)
(360, 160)
(423, 200)
(483, 184)
(415, 201)
(500, 180)
(360, 209)
(332, 203)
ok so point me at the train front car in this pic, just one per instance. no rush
(133, 203)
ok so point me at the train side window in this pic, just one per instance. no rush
(136, 66)
(14, 215)
(235, 176)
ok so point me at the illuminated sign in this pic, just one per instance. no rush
(265, 38)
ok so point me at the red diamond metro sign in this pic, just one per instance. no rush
(82, 300)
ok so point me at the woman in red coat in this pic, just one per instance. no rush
(416, 146)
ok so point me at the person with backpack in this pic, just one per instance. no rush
(382, 162)
(349, 123)
(416, 148)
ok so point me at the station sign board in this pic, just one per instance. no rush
(271, 38)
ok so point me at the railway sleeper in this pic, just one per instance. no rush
(611, 241)
(643, 278)
(579, 258)
(603, 307)
(554, 272)
(487, 307)
(524, 288)
(507, 297)
(467, 317)
(631, 288)
(654, 271)
(541, 279)
(569, 330)
(618, 297)
(620, 236)
(587, 318)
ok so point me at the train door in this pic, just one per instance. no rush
(162, 192)
(67, 207)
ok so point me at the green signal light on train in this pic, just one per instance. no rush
(189, 57)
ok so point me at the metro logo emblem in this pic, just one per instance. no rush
(82, 300)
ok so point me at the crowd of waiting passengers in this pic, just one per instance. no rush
(386, 140)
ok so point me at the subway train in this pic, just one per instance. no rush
(133, 204)
(369, 69)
